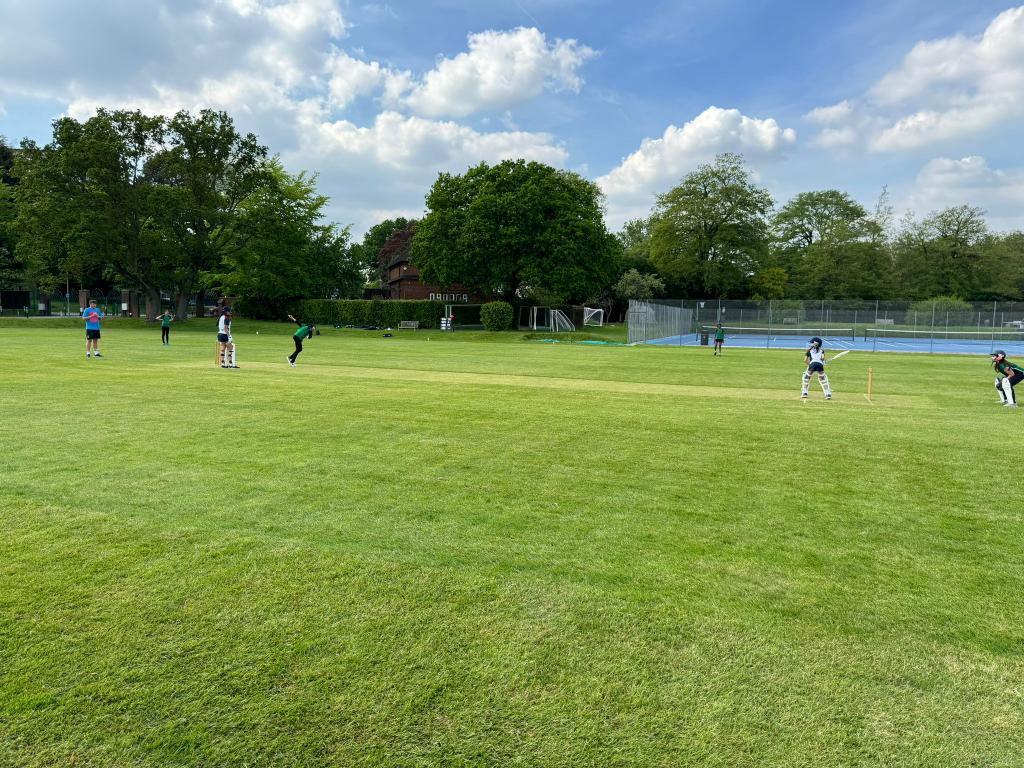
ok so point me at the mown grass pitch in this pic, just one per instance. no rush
(476, 550)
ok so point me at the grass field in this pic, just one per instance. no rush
(479, 550)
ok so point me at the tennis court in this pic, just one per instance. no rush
(869, 340)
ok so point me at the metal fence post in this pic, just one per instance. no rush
(992, 344)
(931, 336)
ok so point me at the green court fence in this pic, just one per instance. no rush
(941, 318)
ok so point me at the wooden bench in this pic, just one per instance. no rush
(408, 325)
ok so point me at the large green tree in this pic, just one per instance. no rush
(85, 204)
(10, 269)
(635, 240)
(206, 174)
(287, 250)
(709, 234)
(829, 247)
(942, 253)
(515, 227)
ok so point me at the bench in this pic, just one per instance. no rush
(408, 325)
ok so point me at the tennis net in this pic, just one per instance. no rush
(898, 335)
(783, 332)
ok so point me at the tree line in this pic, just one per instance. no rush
(184, 204)
(719, 235)
(189, 204)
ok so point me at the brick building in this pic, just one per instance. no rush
(400, 279)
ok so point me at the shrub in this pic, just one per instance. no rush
(496, 315)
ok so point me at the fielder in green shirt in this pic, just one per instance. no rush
(165, 329)
(305, 331)
(1010, 375)
(719, 338)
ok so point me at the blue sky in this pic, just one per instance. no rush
(924, 97)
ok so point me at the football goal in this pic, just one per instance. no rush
(534, 318)
(560, 322)
(593, 316)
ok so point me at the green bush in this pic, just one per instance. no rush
(496, 315)
(379, 312)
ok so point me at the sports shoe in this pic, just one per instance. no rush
(87, 355)
(232, 366)
(223, 366)
(803, 395)
(290, 362)
(96, 354)
(828, 397)
(1010, 405)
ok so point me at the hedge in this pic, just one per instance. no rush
(378, 312)
(496, 315)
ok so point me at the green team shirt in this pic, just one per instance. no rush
(166, 321)
(720, 334)
(304, 332)
(1006, 368)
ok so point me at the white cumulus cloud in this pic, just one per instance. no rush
(970, 180)
(660, 163)
(500, 69)
(942, 90)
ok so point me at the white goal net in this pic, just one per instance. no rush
(593, 316)
(560, 322)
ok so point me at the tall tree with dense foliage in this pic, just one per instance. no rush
(516, 226)
(10, 269)
(710, 233)
(829, 247)
(941, 254)
(84, 201)
(206, 174)
(635, 239)
(287, 251)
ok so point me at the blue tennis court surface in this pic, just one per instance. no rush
(782, 341)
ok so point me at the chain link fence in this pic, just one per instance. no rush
(31, 302)
(944, 325)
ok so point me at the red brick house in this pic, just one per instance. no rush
(401, 280)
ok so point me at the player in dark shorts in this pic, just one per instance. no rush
(226, 352)
(815, 360)
(1010, 375)
(719, 338)
(305, 331)
(93, 315)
